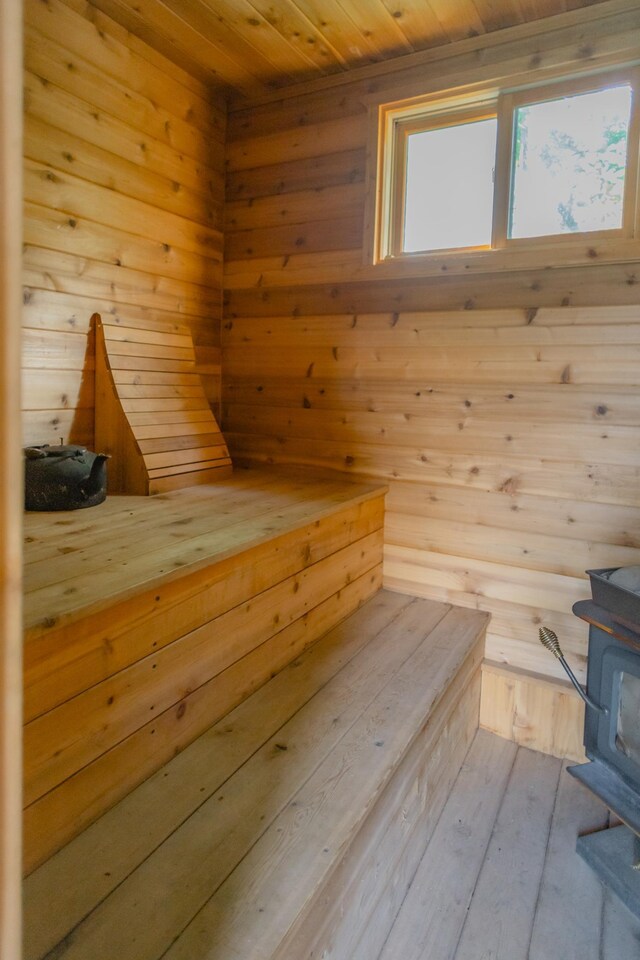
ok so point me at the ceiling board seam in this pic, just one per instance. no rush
(317, 31)
(265, 23)
(574, 18)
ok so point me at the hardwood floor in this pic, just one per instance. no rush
(500, 879)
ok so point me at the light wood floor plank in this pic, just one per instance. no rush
(620, 931)
(500, 918)
(429, 923)
(571, 919)
(569, 888)
(400, 867)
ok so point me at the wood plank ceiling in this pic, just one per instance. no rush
(253, 46)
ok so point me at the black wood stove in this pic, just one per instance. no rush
(612, 726)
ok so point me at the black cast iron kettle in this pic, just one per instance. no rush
(64, 477)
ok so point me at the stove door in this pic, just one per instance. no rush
(618, 734)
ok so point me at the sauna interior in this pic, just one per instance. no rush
(283, 694)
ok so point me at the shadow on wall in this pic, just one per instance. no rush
(58, 380)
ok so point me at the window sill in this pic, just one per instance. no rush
(534, 257)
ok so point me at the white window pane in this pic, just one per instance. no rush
(569, 164)
(449, 195)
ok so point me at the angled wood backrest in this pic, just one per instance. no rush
(152, 414)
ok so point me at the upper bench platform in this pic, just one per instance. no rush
(78, 563)
(149, 618)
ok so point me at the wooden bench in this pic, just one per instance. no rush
(292, 828)
(149, 618)
(152, 415)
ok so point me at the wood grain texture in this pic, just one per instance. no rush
(200, 596)
(501, 406)
(577, 812)
(620, 930)
(430, 918)
(59, 896)
(10, 482)
(327, 799)
(354, 914)
(536, 712)
(124, 190)
(255, 48)
(97, 787)
(55, 673)
(501, 914)
(158, 439)
(54, 747)
(570, 917)
(338, 735)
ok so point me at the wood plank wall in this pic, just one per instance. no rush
(503, 408)
(124, 191)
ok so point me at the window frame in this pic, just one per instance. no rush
(396, 121)
(403, 130)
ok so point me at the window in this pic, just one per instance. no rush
(448, 201)
(569, 163)
(510, 169)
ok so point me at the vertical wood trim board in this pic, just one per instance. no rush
(10, 481)
(124, 190)
(502, 408)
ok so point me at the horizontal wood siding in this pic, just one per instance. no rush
(124, 193)
(501, 407)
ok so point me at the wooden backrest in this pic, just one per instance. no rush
(152, 415)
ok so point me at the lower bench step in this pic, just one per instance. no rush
(292, 828)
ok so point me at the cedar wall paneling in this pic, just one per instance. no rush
(124, 191)
(503, 409)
